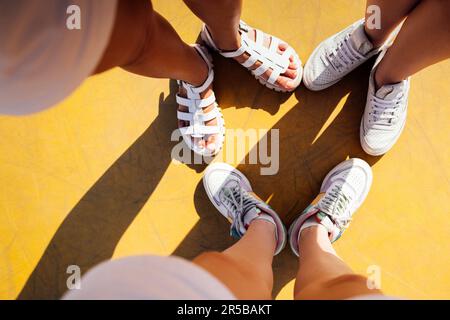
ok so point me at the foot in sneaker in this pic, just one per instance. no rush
(343, 190)
(231, 193)
(385, 114)
(337, 56)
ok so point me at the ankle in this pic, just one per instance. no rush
(264, 226)
(198, 72)
(312, 230)
(375, 36)
(315, 236)
(264, 223)
(381, 79)
(226, 40)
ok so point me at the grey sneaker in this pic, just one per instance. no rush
(385, 114)
(228, 189)
(345, 187)
(337, 56)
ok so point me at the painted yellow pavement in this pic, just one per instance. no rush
(93, 179)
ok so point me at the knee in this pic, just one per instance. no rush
(142, 20)
(214, 257)
(132, 27)
(342, 287)
(220, 260)
(221, 264)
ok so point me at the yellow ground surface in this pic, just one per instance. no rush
(93, 179)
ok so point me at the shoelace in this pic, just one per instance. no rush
(385, 112)
(343, 55)
(335, 204)
(238, 200)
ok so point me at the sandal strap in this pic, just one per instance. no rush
(274, 44)
(196, 104)
(199, 131)
(269, 57)
(262, 53)
(233, 54)
(199, 117)
(274, 76)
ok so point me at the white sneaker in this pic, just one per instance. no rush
(228, 189)
(345, 188)
(385, 114)
(337, 56)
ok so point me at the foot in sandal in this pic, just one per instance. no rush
(231, 193)
(200, 119)
(343, 191)
(271, 61)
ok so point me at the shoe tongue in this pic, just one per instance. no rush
(360, 41)
(389, 91)
(333, 231)
(251, 214)
(345, 189)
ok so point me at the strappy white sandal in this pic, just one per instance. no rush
(196, 115)
(269, 57)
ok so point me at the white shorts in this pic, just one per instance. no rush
(157, 278)
(149, 278)
(41, 60)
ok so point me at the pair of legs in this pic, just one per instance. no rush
(421, 42)
(246, 267)
(145, 43)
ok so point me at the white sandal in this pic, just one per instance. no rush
(196, 115)
(256, 51)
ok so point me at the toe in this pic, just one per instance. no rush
(286, 83)
(211, 143)
(292, 74)
(292, 61)
(282, 47)
(199, 142)
(293, 66)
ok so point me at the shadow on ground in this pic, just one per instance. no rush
(92, 229)
(90, 232)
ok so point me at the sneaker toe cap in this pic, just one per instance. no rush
(214, 180)
(376, 142)
(316, 75)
